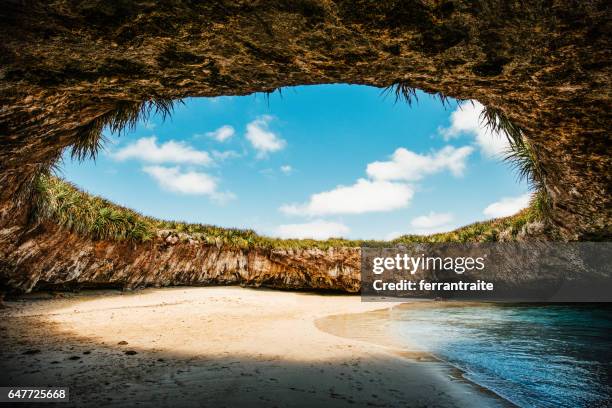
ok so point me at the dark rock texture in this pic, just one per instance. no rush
(545, 64)
(50, 257)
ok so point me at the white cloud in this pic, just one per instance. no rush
(262, 138)
(317, 229)
(227, 154)
(432, 223)
(465, 120)
(507, 206)
(286, 169)
(409, 166)
(362, 197)
(190, 182)
(222, 134)
(431, 220)
(146, 149)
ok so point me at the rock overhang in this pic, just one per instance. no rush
(67, 63)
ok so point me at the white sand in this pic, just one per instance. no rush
(220, 346)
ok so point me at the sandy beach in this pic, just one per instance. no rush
(221, 347)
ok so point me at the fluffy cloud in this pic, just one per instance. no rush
(409, 166)
(190, 182)
(317, 229)
(431, 220)
(222, 134)
(431, 223)
(362, 197)
(286, 169)
(465, 120)
(507, 206)
(385, 189)
(262, 138)
(148, 150)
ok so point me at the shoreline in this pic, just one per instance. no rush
(231, 346)
(344, 325)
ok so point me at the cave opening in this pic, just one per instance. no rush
(67, 72)
(316, 162)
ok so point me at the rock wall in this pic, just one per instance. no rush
(49, 257)
(544, 64)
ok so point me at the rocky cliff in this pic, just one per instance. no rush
(47, 256)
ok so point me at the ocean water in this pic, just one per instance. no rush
(531, 355)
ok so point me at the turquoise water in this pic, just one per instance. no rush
(533, 356)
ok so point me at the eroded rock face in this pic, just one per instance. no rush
(545, 64)
(47, 256)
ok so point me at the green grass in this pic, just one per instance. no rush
(85, 214)
(62, 203)
(484, 231)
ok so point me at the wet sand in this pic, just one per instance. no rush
(221, 347)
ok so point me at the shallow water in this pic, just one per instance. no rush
(532, 355)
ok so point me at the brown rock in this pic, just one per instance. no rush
(64, 65)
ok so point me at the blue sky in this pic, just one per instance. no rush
(316, 161)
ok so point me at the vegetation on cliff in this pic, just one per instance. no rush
(124, 116)
(62, 203)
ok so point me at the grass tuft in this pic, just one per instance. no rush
(85, 214)
(124, 116)
(403, 92)
(506, 229)
(498, 122)
(520, 156)
(408, 94)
